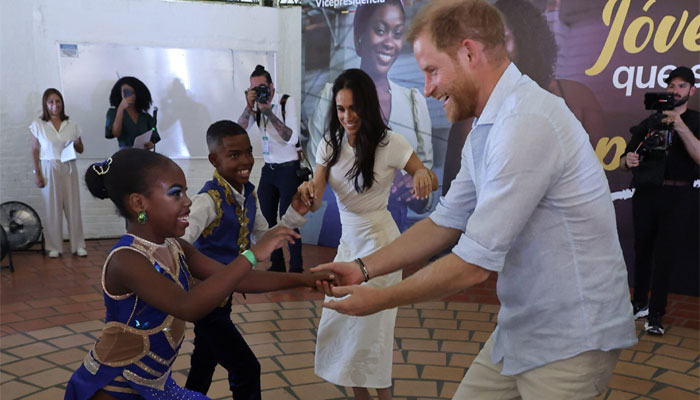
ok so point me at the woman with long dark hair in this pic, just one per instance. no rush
(55, 142)
(128, 115)
(358, 157)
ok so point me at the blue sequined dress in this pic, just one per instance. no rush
(139, 343)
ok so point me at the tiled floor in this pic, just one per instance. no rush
(50, 314)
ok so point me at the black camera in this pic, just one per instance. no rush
(262, 93)
(659, 137)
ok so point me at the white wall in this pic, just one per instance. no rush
(30, 30)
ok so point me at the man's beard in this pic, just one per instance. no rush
(681, 101)
(464, 99)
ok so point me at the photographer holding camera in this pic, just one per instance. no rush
(663, 155)
(273, 118)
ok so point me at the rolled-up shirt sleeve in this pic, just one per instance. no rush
(455, 207)
(516, 176)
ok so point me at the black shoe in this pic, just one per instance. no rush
(277, 268)
(653, 325)
(640, 310)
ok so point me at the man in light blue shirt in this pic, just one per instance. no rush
(531, 203)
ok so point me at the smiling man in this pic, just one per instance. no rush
(530, 203)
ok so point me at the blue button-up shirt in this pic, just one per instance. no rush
(533, 202)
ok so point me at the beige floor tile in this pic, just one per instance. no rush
(297, 313)
(73, 340)
(694, 372)
(318, 391)
(453, 346)
(180, 378)
(4, 377)
(297, 335)
(462, 306)
(15, 340)
(257, 327)
(240, 308)
(408, 322)
(404, 371)
(481, 337)
(220, 373)
(670, 363)
(264, 307)
(48, 333)
(442, 373)
(31, 350)
(48, 378)
(641, 357)
(268, 365)
(301, 376)
(27, 366)
(296, 361)
(691, 343)
(271, 381)
(437, 314)
(303, 346)
(634, 370)
(448, 389)
(398, 357)
(290, 324)
(419, 344)
(681, 331)
(451, 334)
(182, 362)
(296, 304)
(52, 393)
(677, 352)
(628, 384)
(87, 326)
(620, 395)
(461, 360)
(440, 323)
(7, 358)
(426, 358)
(14, 390)
(474, 316)
(65, 356)
(260, 316)
(477, 326)
(219, 389)
(671, 393)
(490, 308)
(668, 339)
(259, 338)
(430, 305)
(683, 381)
(644, 346)
(407, 313)
(415, 388)
(277, 394)
(411, 333)
(265, 349)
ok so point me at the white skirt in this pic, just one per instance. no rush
(358, 351)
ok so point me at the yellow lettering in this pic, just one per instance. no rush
(602, 149)
(613, 35)
(632, 33)
(661, 42)
(692, 35)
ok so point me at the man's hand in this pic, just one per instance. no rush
(673, 117)
(632, 160)
(250, 98)
(265, 108)
(346, 273)
(363, 300)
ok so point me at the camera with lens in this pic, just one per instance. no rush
(262, 93)
(659, 137)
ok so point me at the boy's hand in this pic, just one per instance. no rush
(273, 240)
(299, 204)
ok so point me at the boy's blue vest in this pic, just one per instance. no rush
(224, 238)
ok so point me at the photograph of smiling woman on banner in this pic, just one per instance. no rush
(378, 39)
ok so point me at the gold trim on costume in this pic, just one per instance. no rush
(146, 368)
(157, 383)
(119, 389)
(216, 197)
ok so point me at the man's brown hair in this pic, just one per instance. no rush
(450, 21)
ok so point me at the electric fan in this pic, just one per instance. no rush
(21, 224)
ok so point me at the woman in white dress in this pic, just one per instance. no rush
(359, 157)
(55, 142)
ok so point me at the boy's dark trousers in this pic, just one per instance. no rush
(218, 341)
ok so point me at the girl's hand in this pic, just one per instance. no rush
(273, 240)
(422, 183)
(310, 279)
(307, 191)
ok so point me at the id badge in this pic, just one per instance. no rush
(266, 145)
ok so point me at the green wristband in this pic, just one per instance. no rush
(248, 254)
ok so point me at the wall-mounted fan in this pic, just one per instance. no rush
(22, 225)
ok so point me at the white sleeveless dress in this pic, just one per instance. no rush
(357, 351)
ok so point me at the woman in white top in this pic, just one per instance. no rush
(378, 31)
(359, 157)
(55, 141)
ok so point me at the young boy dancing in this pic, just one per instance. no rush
(224, 217)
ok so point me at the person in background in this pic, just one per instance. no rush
(55, 142)
(277, 127)
(128, 115)
(358, 158)
(664, 204)
(378, 31)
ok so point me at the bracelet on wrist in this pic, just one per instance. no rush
(365, 274)
(248, 254)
